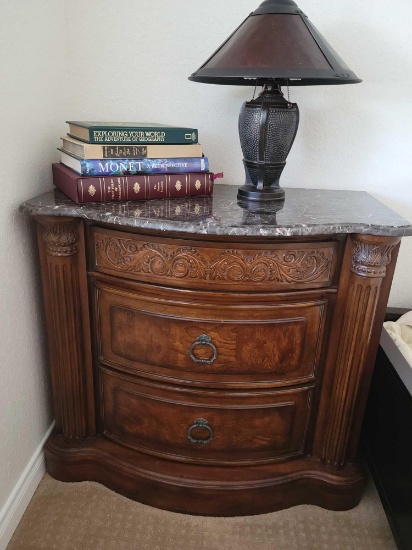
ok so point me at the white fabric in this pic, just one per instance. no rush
(405, 319)
(401, 333)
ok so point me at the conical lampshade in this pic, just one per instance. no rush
(276, 42)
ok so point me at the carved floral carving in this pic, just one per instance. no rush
(282, 267)
(289, 266)
(370, 259)
(126, 255)
(61, 239)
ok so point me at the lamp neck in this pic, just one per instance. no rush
(270, 88)
(271, 93)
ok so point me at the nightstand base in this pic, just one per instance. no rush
(203, 490)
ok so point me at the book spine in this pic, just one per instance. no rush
(112, 167)
(144, 187)
(124, 188)
(143, 136)
(93, 152)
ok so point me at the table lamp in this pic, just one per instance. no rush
(276, 45)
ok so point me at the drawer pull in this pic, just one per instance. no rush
(203, 340)
(200, 423)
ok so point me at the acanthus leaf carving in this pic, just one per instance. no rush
(125, 255)
(370, 259)
(281, 266)
(61, 239)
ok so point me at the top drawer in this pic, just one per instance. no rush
(231, 266)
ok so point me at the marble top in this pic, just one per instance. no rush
(304, 212)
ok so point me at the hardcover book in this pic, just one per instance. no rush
(134, 187)
(93, 151)
(112, 167)
(131, 132)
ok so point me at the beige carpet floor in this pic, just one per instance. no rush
(87, 516)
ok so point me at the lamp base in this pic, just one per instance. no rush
(250, 193)
(267, 129)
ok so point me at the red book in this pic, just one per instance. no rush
(126, 188)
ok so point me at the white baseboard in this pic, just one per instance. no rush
(16, 504)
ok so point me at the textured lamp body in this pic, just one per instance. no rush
(267, 129)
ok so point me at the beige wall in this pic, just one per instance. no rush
(32, 110)
(130, 59)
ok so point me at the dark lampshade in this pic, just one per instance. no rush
(275, 46)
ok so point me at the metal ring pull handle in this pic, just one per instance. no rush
(203, 340)
(200, 423)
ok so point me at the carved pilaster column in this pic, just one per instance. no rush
(370, 257)
(61, 246)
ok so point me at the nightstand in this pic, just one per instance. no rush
(209, 359)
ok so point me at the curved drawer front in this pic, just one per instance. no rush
(185, 263)
(273, 342)
(201, 426)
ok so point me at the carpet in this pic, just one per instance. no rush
(87, 516)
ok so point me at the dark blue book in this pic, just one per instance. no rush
(124, 167)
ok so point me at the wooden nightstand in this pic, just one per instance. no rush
(211, 360)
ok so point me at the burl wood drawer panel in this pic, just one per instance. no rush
(204, 426)
(276, 342)
(185, 263)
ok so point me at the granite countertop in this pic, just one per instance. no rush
(304, 212)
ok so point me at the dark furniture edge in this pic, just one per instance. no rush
(402, 375)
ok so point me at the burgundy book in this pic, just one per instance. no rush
(135, 187)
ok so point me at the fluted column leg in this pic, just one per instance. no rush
(358, 335)
(62, 254)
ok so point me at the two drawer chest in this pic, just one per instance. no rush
(210, 359)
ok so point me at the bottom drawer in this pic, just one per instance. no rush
(204, 426)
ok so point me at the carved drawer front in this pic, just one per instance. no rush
(272, 342)
(201, 426)
(186, 263)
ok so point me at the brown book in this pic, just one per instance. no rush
(135, 187)
(96, 151)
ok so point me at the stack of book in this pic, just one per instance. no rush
(121, 161)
